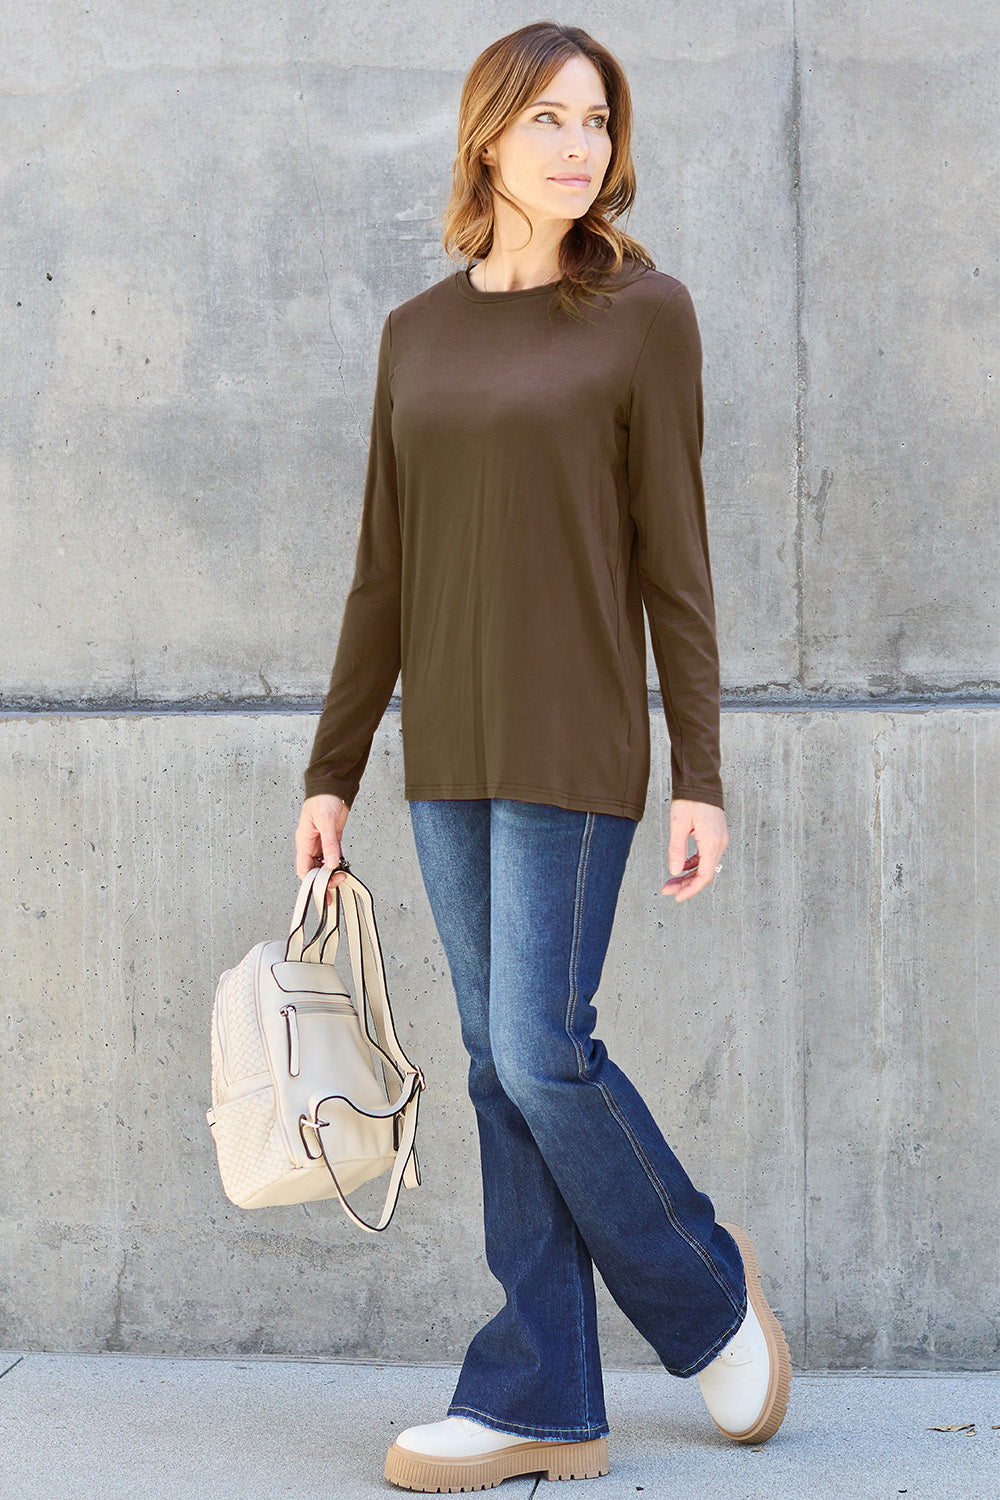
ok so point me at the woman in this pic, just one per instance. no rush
(534, 479)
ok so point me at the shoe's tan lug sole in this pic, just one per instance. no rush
(780, 1384)
(454, 1476)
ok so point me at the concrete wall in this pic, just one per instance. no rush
(207, 211)
(817, 1037)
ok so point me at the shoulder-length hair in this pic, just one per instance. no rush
(502, 82)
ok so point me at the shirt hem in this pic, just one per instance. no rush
(619, 807)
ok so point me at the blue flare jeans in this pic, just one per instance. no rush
(575, 1171)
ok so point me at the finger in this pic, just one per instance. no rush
(682, 877)
(333, 852)
(691, 888)
(677, 850)
(704, 876)
(335, 880)
(681, 827)
(331, 847)
(306, 854)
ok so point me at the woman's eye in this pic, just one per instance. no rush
(547, 114)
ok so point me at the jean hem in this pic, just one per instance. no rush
(706, 1359)
(527, 1431)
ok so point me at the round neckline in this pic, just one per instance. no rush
(468, 289)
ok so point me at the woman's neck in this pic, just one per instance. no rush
(505, 269)
(486, 279)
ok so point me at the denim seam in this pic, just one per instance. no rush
(662, 1193)
(584, 1434)
(583, 1346)
(581, 880)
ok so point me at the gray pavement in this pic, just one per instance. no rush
(116, 1426)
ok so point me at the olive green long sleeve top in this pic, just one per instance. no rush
(533, 482)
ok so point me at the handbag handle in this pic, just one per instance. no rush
(313, 888)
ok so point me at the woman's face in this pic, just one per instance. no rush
(552, 157)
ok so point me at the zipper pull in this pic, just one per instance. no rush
(288, 1011)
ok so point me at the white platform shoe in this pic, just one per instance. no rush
(747, 1385)
(457, 1454)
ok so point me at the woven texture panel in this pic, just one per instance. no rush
(238, 1029)
(251, 1155)
(247, 1140)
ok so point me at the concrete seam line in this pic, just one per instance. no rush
(738, 701)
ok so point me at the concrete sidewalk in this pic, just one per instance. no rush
(117, 1427)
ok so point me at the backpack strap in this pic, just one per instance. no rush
(368, 970)
(371, 995)
(405, 1152)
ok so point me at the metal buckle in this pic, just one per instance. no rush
(314, 1125)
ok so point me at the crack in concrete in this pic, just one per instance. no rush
(18, 1361)
(113, 1342)
(800, 489)
(310, 157)
(877, 968)
(800, 358)
(819, 500)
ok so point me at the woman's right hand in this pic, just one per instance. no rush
(317, 838)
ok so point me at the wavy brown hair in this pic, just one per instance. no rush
(502, 81)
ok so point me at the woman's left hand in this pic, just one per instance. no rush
(707, 826)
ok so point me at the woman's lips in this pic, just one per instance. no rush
(571, 181)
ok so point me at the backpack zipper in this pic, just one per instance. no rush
(340, 1005)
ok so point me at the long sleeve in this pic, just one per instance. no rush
(668, 508)
(367, 661)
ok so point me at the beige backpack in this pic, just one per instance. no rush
(312, 1094)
